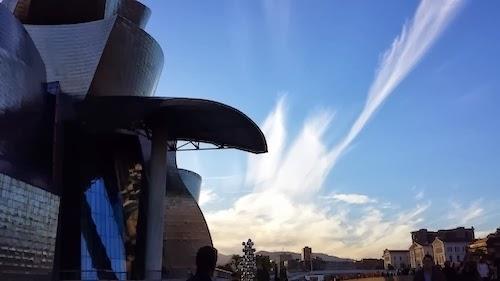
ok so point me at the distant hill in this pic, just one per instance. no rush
(225, 259)
(275, 256)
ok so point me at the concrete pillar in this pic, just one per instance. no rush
(155, 208)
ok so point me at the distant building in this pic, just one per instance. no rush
(292, 265)
(488, 247)
(370, 264)
(417, 252)
(283, 260)
(449, 250)
(398, 259)
(340, 265)
(318, 264)
(306, 254)
(422, 244)
(307, 257)
(285, 257)
(478, 247)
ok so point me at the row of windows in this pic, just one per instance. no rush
(28, 226)
(457, 260)
(456, 248)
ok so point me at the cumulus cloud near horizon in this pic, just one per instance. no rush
(282, 210)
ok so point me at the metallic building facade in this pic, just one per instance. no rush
(192, 181)
(22, 104)
(138, 74)
(89, 184)
(185, 227)
(28, 228)
(72, 60)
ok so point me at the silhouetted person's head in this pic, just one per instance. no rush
(428, 262)
(447, 264)
(206, 260)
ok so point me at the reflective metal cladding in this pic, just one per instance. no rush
(22, 73)
(130, 65)
(72, 60)
(76, 120)
(192, 181)
(28, 225)
(185, 227)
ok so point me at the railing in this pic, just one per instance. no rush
(392, 278)
(95, 275)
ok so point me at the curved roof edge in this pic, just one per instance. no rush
(184, 119)
(131, 62)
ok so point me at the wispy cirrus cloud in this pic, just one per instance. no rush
(417, 36)
(464, 215)
(351, 198)
(281, 210)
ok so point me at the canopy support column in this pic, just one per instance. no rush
(155, 208)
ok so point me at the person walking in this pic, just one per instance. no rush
(449, 272)
(429, 271)
(483, 269)
(206, 260)
(469, 272)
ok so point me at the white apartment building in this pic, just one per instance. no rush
(398, 259)
(449, 250)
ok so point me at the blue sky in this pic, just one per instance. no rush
(423, 149)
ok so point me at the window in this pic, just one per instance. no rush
(102, 238)
(458, 258)
(24, 207)
(451, 258)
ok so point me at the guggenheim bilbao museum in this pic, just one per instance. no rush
(89, 185)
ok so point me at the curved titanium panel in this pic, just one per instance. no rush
(135, 11)
(132, 10)
(192, 181)
(22, 99)
(71, 52)
(130, 65)
(185, 119)
(185, 227)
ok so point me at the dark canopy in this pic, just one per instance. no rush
(184, 118)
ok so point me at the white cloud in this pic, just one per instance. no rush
(462, 215)
(262, 168)
(352, 198)
(406, 51)
(207, 196)
(282, 210)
